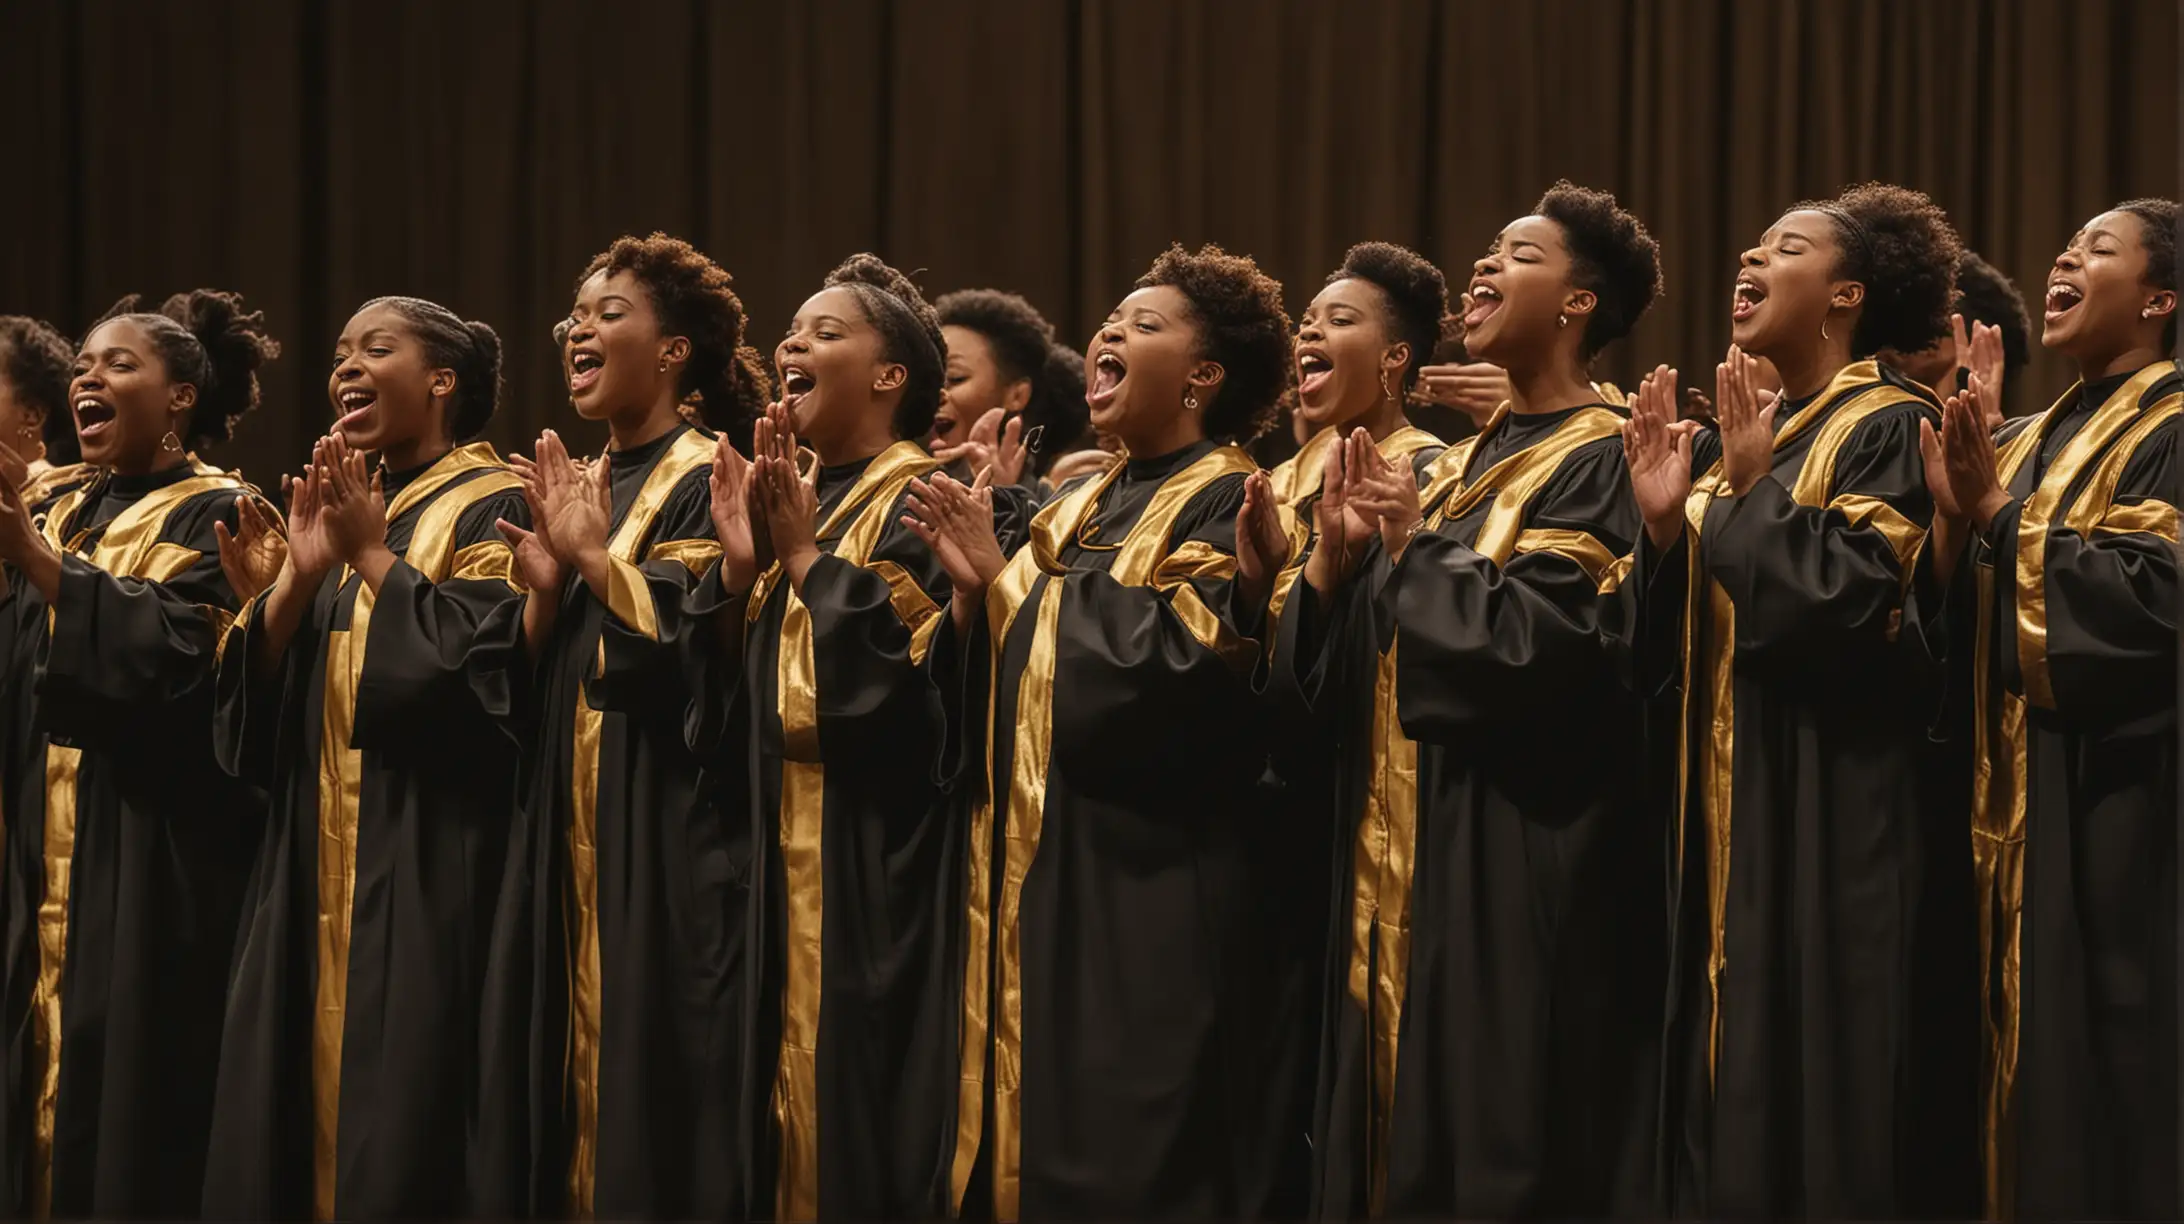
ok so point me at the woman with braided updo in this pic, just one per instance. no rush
(127, 845)
(1818, 990)
(369, 692)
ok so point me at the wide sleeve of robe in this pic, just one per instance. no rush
(871, 628)
(2110, 593)
(442, 661)
(1483, 648)
(1183, 646)
(1819, 590)
(124, 653)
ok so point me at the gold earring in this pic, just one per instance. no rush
(1824, 330)
(170, 444)
(1385, 392)
(1190, 401)
(663, 365)
(1562, 320)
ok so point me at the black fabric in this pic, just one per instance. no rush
(434, 721)
(163, 840)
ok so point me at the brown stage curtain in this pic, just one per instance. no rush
(316, 154)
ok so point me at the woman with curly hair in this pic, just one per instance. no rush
(2066, 618)
(368, 693)
(1109, 746)
(1820, 920)
(35, 422)
(1013, 397)
(609, 1060)
(128, 845)
(1481, 1061)
(825, 728)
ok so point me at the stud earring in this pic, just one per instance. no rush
(663, 365)
(1562, 320)
(2147, 313)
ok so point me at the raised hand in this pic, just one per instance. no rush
(1980, 350)
(311, 551)
(996, 441)
(732, 518)
(571, 515)
(1747, 422)
(1968, 456)
(956, 522)
(1262, 544)
(1341, 532)
(1475, 389)
(1383, 494)
(1658, 450)
(354, 512)
(788, 500)
(252, 555)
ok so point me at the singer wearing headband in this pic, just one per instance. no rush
(369, 691)
(1108, 1028)
(127, 845)
(609, 1058)
(2066, 616)
(824, 727)
(1819, 991)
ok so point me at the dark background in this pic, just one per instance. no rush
(477, 152)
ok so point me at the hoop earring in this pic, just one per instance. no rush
(1562, 320)
(1824, 330)
(171, 444)
(663, 365)
(1190, 401)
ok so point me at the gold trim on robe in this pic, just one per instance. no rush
(341, 782)
(1299, 479)
(859, 518)
(1138, 557)
(1854, 395)
(130, 547)
(689, 452)
(2000, 774)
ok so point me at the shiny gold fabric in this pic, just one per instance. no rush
(341, 782)
(2038, 512)
(858, 519)
(1300, 479)
(1137, 559)
(1709, 713)
(130, 547)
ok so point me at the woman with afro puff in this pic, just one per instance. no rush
(1110, 749)
(2064, 613)
(1494, 1000)
(127, 844)
(1818, 980)
(610, 1056)
(824, 727)
(368, 691)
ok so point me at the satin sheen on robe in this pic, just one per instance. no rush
(384, 739)
(827, 735)
(127, 850)
(2066, 609)
(612, 1002)
(1818, 903)
(1107, 1038)
(1491, 1042)
(1318, 782)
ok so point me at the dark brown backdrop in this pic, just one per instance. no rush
(477, 151)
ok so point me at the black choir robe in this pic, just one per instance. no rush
(127, 850)
(2065, 610)
(1107, 1032)
(1310, 780)
(1493, 986)
(383, 739)
(609, 1035)
(1818, 905)
(828, 732)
